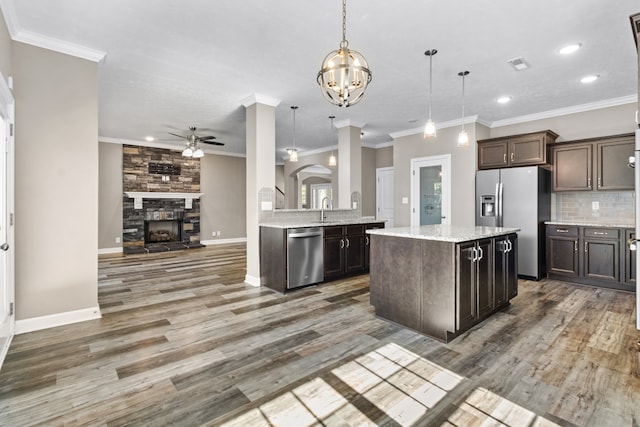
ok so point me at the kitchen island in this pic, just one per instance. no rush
(441, 280)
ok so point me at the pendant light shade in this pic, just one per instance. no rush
(344, 74)
(430, 126)
(293, 151)
(332, 159)
(463, 136)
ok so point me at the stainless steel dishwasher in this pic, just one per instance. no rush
(305, 260)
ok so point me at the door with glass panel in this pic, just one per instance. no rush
(431, 190)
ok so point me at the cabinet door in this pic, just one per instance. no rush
(527, 150)
(612, 160)
(354, 253)
(500, 270)
(630, 259)
(512, 267)
(572, 168)
(465, 285)
(562, 255)
(602, 259)
(333, 256)
(484, 277)
(492, 155)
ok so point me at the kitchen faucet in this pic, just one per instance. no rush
(329, 205)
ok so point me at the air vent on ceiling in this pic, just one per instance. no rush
(518, 63)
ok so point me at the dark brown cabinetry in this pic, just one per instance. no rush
(474, 286)
(517, 150)
(597, 256)
(505, 274)
(593, 164)
(367, 242)
(629, 258)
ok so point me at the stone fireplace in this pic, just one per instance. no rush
(161, 206)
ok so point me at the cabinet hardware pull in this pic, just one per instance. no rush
(475, 255)
(366, 240)
(586, 246)
(481, 254)
(341, 243)
(513, 157)
(510, 245)
(599, 182)
(347, 241)
(561, 230)
(504, 158)
(589, 182)
(575, 245)
(600, 233)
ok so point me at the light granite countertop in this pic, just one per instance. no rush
(446, 233)
(591, 224)
(329, 223)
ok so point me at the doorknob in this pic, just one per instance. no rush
(443, 217)
(4, 247)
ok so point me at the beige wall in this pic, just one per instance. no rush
(589, 124)
(463, 166)
(290, 190)
(56, 182)
(223, 204)
(5, 49)
(368, 181)
(384, 157)
(110, 195)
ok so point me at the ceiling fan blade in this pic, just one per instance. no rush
(203, 138)
(179, 136)
(212, 142)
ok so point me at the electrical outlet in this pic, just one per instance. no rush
(213, 234)
(219, 233)
(117, 240)
(595, 206)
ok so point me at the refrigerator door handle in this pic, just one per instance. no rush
(499, 199)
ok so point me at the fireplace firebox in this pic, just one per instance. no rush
(162, 231)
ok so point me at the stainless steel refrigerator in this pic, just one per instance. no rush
(519, 198)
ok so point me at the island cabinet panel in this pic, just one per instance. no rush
(399, 299)
(436, 287)
(506, 276)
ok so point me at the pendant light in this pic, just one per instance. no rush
(430, 126)
(344, 74)
(293, 152)
(332, 158)
(463, 136)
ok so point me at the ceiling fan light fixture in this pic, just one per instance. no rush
(187, 152)
(430, 130)
(198, 153)
(344, 73)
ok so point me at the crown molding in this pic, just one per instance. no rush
(167, 146)
(381, 145)
(441, 125)
(348, 122)
(257, 98)
(10, 17)
(613, 102)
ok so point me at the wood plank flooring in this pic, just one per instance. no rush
(183, 341)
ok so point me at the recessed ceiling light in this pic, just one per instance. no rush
(569, 49)
(149, 138)
(504, 99)
(589, 79)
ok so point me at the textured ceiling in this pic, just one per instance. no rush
(171, 64)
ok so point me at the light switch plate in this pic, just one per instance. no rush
(595, 205)
(405, 200)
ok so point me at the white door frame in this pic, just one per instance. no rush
(444, 161)
(379, 173)
(7, 269)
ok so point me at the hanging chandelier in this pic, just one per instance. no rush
(463, 136)
(293, 152)
(332, 159)
(430, 126)
(344, 74)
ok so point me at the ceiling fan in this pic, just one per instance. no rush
(193, 149)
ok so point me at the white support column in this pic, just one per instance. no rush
(350, 164)
(261, 171)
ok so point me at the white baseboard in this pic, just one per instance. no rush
(104, 251)
(224, 241)
(252, 280)
(59, 319)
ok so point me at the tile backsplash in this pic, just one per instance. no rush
(614, 207)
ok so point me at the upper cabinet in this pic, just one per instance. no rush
(516, 150)
(593, 164)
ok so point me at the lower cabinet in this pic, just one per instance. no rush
(474, 285)
(346, 249)
(506, 275)
(597, 256)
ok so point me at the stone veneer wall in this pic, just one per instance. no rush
(136, 177)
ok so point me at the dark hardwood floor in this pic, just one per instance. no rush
(183, 341)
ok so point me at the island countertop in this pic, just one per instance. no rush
(444, 233)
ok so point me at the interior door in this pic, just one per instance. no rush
(431, 190)
(7, 316)
(384, 195)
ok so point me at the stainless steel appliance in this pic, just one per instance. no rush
(305, 260)
(520, 198)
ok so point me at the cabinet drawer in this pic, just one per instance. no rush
(354, 229)
(562, 230)
(603, 233)
(333, 231)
